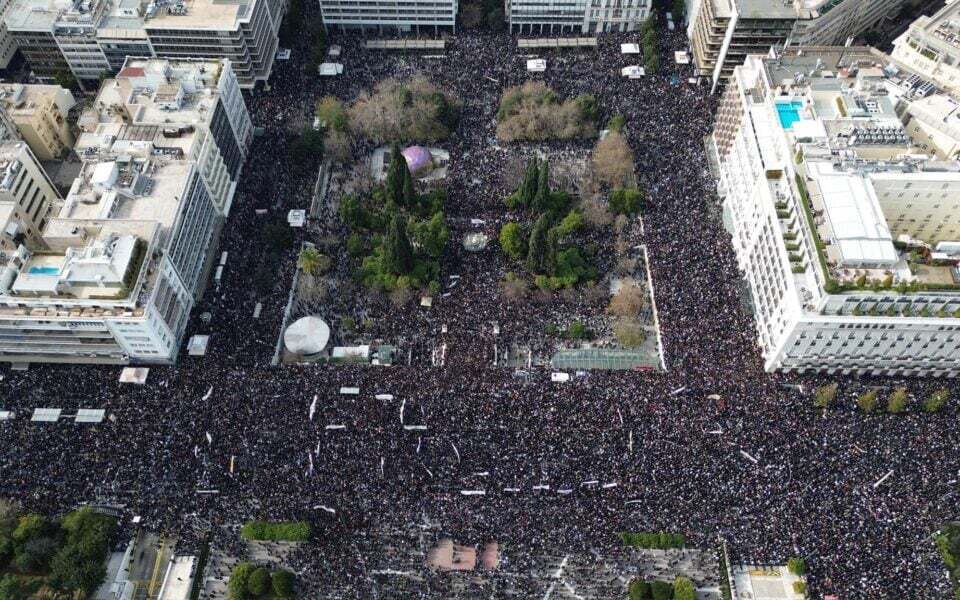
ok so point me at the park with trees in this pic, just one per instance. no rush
(42, 556)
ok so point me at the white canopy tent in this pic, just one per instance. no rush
(330, 69)
(633, 72)
(137, 375)
(629, 48)
(536, 65)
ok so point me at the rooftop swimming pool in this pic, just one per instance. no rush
(789, 112)
(43, 271)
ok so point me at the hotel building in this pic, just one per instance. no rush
(844, 226)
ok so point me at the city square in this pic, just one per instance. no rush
(467, 436)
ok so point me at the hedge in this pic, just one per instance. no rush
(291, 531)
(659, 541)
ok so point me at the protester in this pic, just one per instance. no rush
(758, 467)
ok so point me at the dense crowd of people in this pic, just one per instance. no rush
(712, 448)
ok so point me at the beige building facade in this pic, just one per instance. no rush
(27, 197)
(40, 114)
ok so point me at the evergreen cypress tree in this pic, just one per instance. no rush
(538, 246)
(541, 198)
(397, 252)
(409, 194)
(529, 186)
(395, 175)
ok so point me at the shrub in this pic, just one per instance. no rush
(797, 566)
(640, 590)
(825, 395)
(512, 241)
(626, 201)
(683, 589)
(577, 331)
(936, 401)
(897, 403)
(616, 123)
(282, 582)
(331, 113)
(258, 583)
(867, 401)
(570, 224)
(661, 590)
(292, 531)
(800, 587)
(629, 332)
(659, 541)
(239, 578)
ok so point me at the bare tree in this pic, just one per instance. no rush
(336, 146)
(595, 293)
(625, 266)
(568, 295)
(596, 212)
(613, 161)
(401, 296)
(513, 288)
(627, 302)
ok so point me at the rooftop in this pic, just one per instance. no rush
(41, 15)
(853, 217)
(196, 14)
(835, 112)
(25, 99)
(157, 92)
(944, 25)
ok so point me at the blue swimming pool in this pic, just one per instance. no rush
(44, 271)
(789, 113)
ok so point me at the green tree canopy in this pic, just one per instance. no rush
(282, 583)
(539, 248)
(397, 252)
(258, 584)
(511, 240)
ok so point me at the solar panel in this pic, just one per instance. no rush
(46, 415)
(90, 415)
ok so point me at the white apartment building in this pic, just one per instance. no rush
(840, 223)
(931, 47)
(575, 16)
(127, 254)
(27, 197)
(90, 38)
(412, 16)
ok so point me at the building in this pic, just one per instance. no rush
(8, 45)
(390, 17)
(39, 113)
(843, 225)
(27, 197)
(198, 101)
(575, 16)
(724, 32)
(8, 129)
(931, 47)
(92, 38)
(242, 31)
(126, 255)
